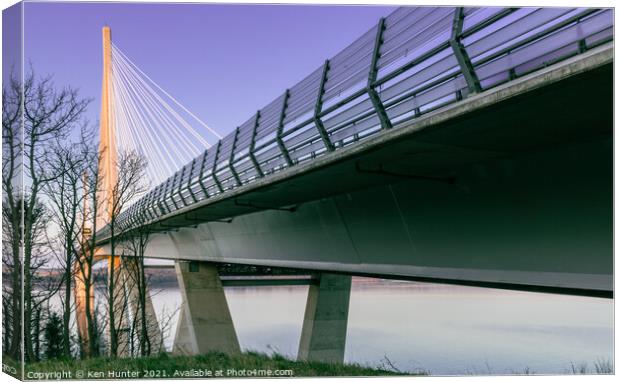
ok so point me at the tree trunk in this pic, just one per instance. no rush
(16, 337)
(66, 329)
(112, 297)
(28, 349)
(37, 335)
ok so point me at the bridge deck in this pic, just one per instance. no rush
(415, 61)
(511, 186)
(564, 102)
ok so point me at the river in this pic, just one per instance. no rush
(442, 329)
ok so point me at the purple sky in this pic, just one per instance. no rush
(223, 62)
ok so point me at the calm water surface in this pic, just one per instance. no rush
(439, 328)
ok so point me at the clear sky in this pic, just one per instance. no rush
(223, 62)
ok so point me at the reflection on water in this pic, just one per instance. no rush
(439, 328)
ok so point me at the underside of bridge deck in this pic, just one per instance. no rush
(516, 192)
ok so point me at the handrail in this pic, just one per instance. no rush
(424, 77)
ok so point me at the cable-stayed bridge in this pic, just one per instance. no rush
(462, 145)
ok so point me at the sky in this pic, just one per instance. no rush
(223, 62)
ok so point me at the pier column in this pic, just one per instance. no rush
(152, 325)
(204, 312)
(120, 306)
(80, 293)
(183, 344)
(324, 332)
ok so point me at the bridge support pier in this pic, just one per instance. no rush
(116, 274)
(82, 299)
(183, 343)
(205, 323)
(324, 331)
(152, 325)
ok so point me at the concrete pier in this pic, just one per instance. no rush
(183, 343)
(81, 301)
(205, 323)
(120, 306)
(324, 332)
(152, 324)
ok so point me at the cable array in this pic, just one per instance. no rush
(150, 121)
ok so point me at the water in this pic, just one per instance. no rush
(443, 329)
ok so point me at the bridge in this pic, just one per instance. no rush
(459, 145)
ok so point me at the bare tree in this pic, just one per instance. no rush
(44, 115)
(69, 161)
(12, 200)
(129, 185)
(145, 326)
(91, 186)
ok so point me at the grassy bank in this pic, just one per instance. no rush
(203, 366)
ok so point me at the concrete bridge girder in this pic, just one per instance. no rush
(540, 219)
(511, 187)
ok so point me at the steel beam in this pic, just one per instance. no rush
(253, 144)
(252, 205)
(201, 174)
(281, 127)
(372, 78)
(180, 188)
(232, 156)
(467, 68)
(189, 181)
(214, 168)
(173, 189)
(161, 202)
(382, 171)
(319, 106)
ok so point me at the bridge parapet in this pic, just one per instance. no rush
(416, 60)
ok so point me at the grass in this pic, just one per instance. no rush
(11, 366)
(249, 364)
(601, 366)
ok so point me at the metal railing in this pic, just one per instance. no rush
(416, 60)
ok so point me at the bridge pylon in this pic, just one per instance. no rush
(108, 156)
(107, 178)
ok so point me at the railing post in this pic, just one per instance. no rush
(162, 192)
(131, 217)
(253, 144)
(144, 206)
(161, 199)
(189, 181)
(214, 168)
(281, 128)
(372, 77)
(167, 191)
(180, 187)
(153, 205)
(467, 68)
(128, 220)
(201, 175)
(138, 215)
(232, 156)
(122, 222)
(583, 46)
(173, 189)
(318, 108)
